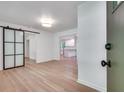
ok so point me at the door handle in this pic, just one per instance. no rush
(108, 46)
(104, 63)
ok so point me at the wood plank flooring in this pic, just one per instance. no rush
(50, 76)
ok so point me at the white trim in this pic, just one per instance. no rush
(94, 86)
(44, 61)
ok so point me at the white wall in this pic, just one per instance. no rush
(44, 44)
(90, 44)
(57, 42)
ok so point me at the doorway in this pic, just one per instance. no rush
(30, 47)
(68, 47)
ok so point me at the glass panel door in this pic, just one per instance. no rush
(19, 60)
(19, 36)
(19, 52)
(8, 48)
(9, 35)
(13, 48)
(9, 61)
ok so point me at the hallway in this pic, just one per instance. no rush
(49, 76)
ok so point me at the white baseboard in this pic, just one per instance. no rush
(39, 61)
(90, 84)
(56, 58)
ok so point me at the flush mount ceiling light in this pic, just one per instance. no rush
(47, 22)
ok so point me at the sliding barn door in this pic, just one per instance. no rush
(13, 48)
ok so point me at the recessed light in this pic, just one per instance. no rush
(46, 25)
(47, 22)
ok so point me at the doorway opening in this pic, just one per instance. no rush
(68, 47)
(30, 47)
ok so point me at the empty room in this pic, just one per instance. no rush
(61, 46)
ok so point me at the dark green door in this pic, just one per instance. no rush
(115, 36)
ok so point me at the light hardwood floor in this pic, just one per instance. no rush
(48, 76)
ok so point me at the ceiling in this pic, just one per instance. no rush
(28, 13)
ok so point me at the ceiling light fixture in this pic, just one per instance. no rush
(47, 22)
